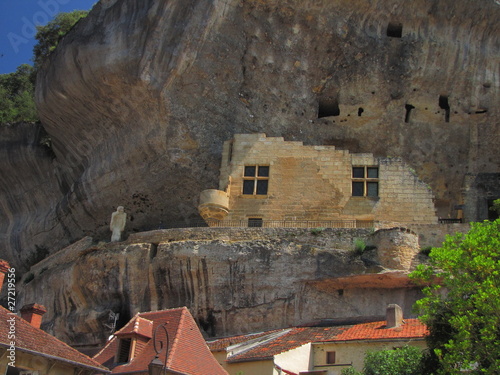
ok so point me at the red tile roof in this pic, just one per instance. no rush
(412, 328)
(187, 353)
(137, 325)
(262, 349)
(289, 339)
(37, 342)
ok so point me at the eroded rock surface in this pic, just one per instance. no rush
(233, 281)
(140, 96)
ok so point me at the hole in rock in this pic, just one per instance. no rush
(395, 30)
(328, 107)
(408, 108)
(444, 104)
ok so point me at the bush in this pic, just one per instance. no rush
(350, 371)
(359, 246)
(401, 361)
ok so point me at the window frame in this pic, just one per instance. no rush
(366, 182)
(330, 354)
(256, 181)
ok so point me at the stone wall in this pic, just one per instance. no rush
(315, 183)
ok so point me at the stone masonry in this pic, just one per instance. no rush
(316, 183)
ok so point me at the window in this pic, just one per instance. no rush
(330, 358)
(124, 351)
(256, 180)
(365, 181)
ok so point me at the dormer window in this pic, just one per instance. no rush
(124, 351)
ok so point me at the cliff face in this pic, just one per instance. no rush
(233, 281)
(139, 98)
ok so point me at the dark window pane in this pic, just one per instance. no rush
(358, 189)
(262, 187)
(372, 189)
(263, 172)
(250, 171)
(330, 358)
(248, 186)
(373, 172)
(255, 222)
(358, 172)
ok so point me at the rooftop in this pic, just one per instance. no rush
(187, 351)
(35, 341)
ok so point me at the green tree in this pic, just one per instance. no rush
(496, 206)
(48, 36)
(462, 301)
(350, 371)
(17, 96)
(401, 361)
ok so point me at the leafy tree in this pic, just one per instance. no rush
(401, 361)
(350, 371)
(17, 90)
(17, 96)
(496, 206)
(462, 309)
(48, 36)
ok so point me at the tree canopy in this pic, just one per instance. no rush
(17, 96)
(48, 36)
(17, 90)
(462, 302)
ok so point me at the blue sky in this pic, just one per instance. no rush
(17, 21)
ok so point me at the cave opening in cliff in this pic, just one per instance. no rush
(395, 30)
(360, 111)
(328, 107)
(444, 104)
(408, 108)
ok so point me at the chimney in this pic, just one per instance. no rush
(394, 316)
(4, 268)
(33, 314)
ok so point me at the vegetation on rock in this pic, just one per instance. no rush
(17, 96)
(48, 36)
(462, 309)
(17, 90)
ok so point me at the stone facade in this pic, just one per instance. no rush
(315, 183)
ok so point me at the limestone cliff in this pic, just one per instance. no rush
(139, 97)
(233, 281)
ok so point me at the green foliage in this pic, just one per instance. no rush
(350, 371)
(317, 231)
(359, 246)
(401, 361)
(17, 96)
(17, 90)
(496, 206)
(48, 36)
(464, 322)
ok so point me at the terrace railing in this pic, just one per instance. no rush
(258, 223)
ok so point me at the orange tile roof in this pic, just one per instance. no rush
(137, 325)
(37, 342)
(290, 339)
(294, 337)
(187, 353)
(412, 328)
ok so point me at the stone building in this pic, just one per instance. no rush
(266, 181)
